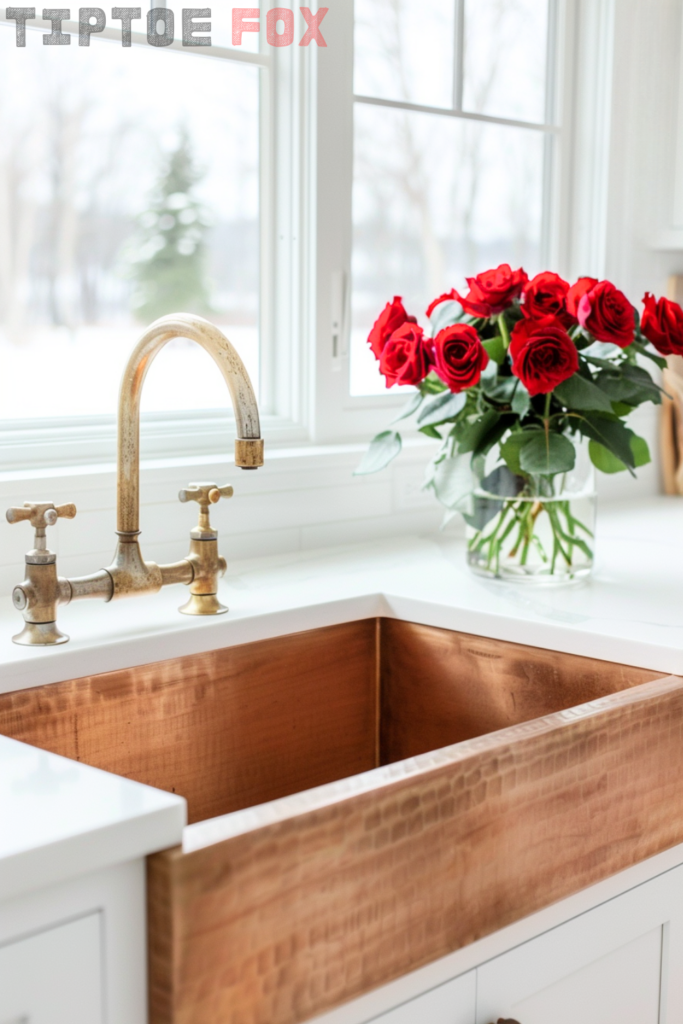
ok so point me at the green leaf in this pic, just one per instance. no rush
(521, 400)
(469, 434)
(547, 453)
(431, 431)
(500, 389)
(452, 482)
(413, 405)
(579, 393)
(640, 378)
(611, 433)
(444, 407)
(496, 349)
(606, 462)
(511, 448)
(382, 450)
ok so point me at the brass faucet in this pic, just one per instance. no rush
(129, 574)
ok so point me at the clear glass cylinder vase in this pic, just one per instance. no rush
(532, 529)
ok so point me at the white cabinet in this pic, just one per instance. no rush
(616, 964)
(54, 977)
(452, 1003)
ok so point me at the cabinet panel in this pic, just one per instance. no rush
(608, 966)
(452, 1003)
(620, 988)
(54, 977)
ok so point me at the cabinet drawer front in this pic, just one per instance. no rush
(608, 966)
(452, 1003)
(54, 977)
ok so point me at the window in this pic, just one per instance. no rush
(292, 190)
(454, 133)
(130, 185)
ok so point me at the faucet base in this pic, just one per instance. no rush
(40, 634)
(203, 604)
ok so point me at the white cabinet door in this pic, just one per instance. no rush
(452, 1003)
(616, 964)
(54, 977)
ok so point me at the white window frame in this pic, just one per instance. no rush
(339, 414)
(306, 235)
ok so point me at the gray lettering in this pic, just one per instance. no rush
(126, 15)
(165, 16)
(56, 15)
(189, 26)
(85, 25)
(21, 15)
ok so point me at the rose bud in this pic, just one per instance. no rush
(577, 292)
(543, 354)
(546, 295)
(459, 356)
(451, 296)
(390, 319)
(493, 291)
(662, 325)
(607, 314)
(405, 358)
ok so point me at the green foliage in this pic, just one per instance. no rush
(169, 262)
(611, 434)
(606, 462)
(445, 406)
(581, 393)
(547, 453)
(496, 349)
(383, 448)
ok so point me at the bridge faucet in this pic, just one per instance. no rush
(130, 574)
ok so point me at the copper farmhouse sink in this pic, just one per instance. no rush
(367, 798)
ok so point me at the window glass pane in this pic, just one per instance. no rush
(435, 198)
(404, 50)
(505, 58)
(124, 194)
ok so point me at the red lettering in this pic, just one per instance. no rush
(283, 14)
(239, 25)
(313, 22)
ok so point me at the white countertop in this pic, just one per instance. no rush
(630, 611)
(60, 819)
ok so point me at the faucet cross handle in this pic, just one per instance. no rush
(205, 494)
(40, 514)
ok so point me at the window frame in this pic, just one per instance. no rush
(340, 414)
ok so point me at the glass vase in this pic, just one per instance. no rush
(532, 529)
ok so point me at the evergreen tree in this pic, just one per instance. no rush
(169, 259)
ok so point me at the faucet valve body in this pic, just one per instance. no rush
(208, 566)
(38, 596)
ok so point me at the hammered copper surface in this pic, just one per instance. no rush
(282, 923)
(226, 729)
(440, 687)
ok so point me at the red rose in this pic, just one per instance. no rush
(608, 315)
(459, 356)
(452, 295)
(662, 324)
(405, 357)
(543, 354)
(577, 292)
(546, 295)
(493, 291)
(390, 319)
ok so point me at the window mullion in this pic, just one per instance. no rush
(459, 55)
